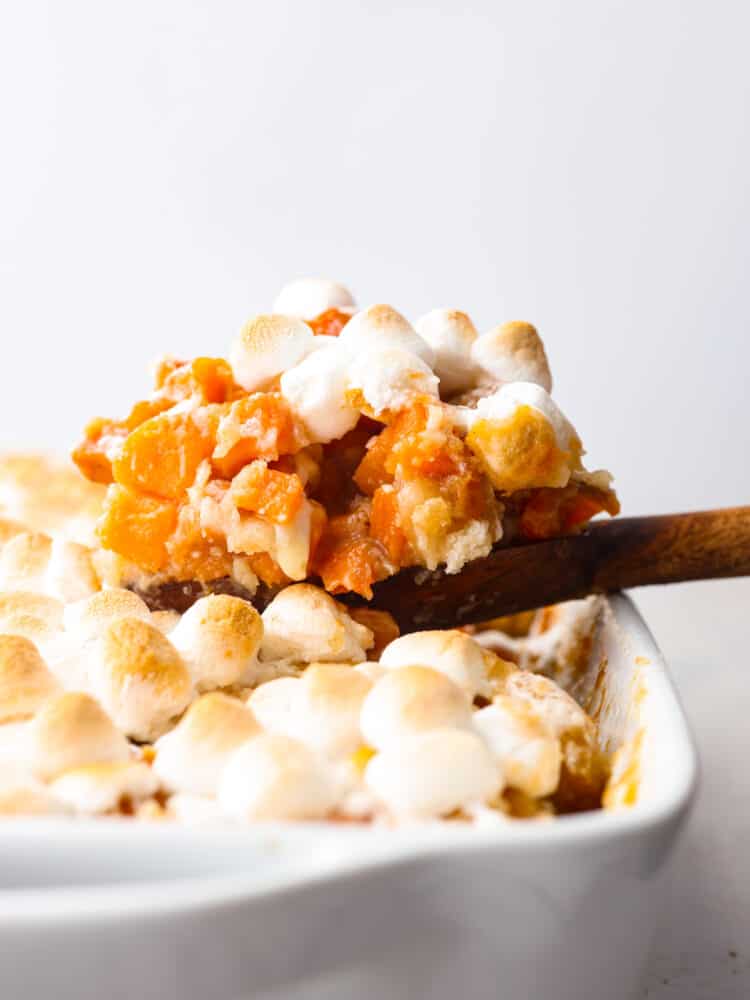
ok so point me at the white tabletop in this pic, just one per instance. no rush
(702, 948)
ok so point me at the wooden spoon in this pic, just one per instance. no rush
(608, 556)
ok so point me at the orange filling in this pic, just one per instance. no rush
(202, 471)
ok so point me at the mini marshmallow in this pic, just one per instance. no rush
(70, 574)
(191, 756)
(23, 562)
(309, 297)
(382, 326)
(432, 774)
(450, 334)
(276, 778)
(34, 616)
(92, 615)
(291, 546)
(303, 624)
(412, 699)
(275, 704)
(321, 709)
(523, 439)
(140, 678)
(384, 380)
(316, 391)
(165, 621)
(517, 736)
(218, 638)
(105, 787)
(195, 810)
(71, 730)
(562, 714)
(448, 651)
(28, 798)
(267, 346)
(25, 682)
(513, 352)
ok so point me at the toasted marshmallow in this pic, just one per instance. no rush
(25, 682)
(448, 651)
(528, 752)
(71, 730)
(513, 352)
(276, 778)
(409, 700)
(24, 560)
(105, 787)
(34, 616)
(384, 380)
(382, 326)
(523, 439)
(432, 774)
(450, 334)
(92, 615)
(140, 678)
(321, 709)
(190, 758)
(195, 810)
(70, 574)
(309, 297)
(275, 704)
(304, 624)
(218, 637)
(316, 391)
(267, 346)
(562, 714)
(28, 798)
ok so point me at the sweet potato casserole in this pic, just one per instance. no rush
(170, 648)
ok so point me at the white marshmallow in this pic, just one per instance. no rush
(218, 638)
(504, 402)
(140, 678)
(70, 574)
(72, 730)
(382, 326)
(34, 616)
(304, 624)
(385, 380)
(101, 788)
(191, 756)
(309, 297)
(28, 797)
(412, 699)
(92, 615)
(316, 391)
(276, 705)
(25, 682)
(448, 651)
(450, 334)
(513, 352)
(517, 736)
(434, 773)
(292, 543)
(276, 778)
(267, 346)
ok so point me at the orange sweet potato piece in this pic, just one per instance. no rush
(162, 455)
(137, 527)
(210, 379)
(267, 569)
(196, 554)
(93, 454)
(268, 492)
(329, 323)
(385, 525)
(256, 426)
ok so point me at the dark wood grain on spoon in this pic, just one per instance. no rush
(608, 556)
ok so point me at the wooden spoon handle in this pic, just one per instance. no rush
(703, 545)
(608, 556)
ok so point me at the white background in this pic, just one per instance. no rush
(165, 167)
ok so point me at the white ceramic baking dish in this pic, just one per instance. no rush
(562, 909)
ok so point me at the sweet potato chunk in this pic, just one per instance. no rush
(137, 527)
(329, 323)
(275, 495)
(161, 457)
(256, 426)
(93, 456)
